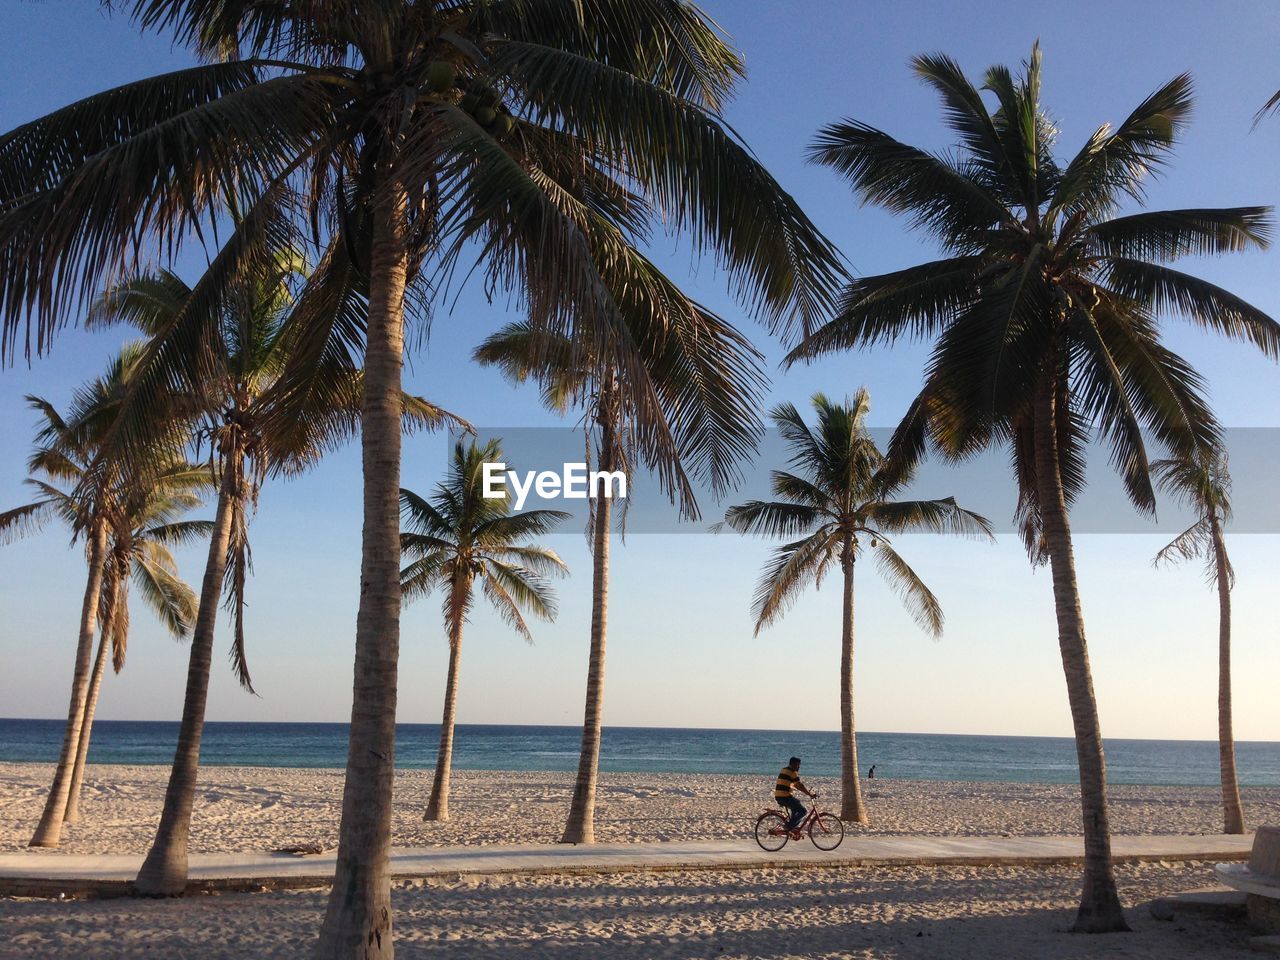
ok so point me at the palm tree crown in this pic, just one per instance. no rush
(1203, 485)
(1043, 286)
(840, 502)
(142, 518)
(219, 375)
(526, 134)
(459, 536)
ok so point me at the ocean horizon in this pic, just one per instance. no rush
(534, 748)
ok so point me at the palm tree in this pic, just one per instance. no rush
(84, 515)
(839, 503)
(1203, 484)
(106, 513)
(544, 139)
(225, 368)
(146, 526)
(708, 382)
(458, 537)
(1044, 319)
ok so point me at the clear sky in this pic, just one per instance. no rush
(681, 651)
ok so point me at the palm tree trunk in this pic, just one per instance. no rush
(852, 809)
(72, 813)
(49, 830)
(357, 921)
(438, 805)
(1232, 808)
(581, 824)
(1100, 910)
(164, 872)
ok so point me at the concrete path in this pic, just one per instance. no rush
(40, 873)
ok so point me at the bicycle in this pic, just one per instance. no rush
(824, 829)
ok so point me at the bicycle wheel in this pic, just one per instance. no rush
(826, 831)
(771, 831)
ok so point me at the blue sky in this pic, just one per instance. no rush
(681, 650)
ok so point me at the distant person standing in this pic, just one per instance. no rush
(871, 774)
(789, 781)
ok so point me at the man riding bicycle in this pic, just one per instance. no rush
(788, 781)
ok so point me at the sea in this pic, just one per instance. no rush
(906, 756)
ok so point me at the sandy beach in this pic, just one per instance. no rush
(846, 912)
(261, 808)
(1007, 914)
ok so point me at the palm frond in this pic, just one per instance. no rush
(25, 520)
(518, 588)
(916, 302)
(540, 560)
(930, 190)
(1112, 166)
(761, 518)
(1208, 305)
(1190, 544)
(1165, 235)
(182, 533)
(701, 178)
(943, 516)
(502, 530)
(173, 602)
(420, 577)
(792, 567)
(93, 214)
(916, 597)
(1271, 106)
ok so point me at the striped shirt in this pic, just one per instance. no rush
(786, 779)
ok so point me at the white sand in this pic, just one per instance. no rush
(261, 808)
(950, 912)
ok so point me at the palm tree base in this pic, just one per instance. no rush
(44, 844)
(578, 835)
(166, 878)
(435, 816)
(861, 819)
(1103, 916)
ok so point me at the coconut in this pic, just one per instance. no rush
(504, 124)
(486, 116)
(440, 75)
